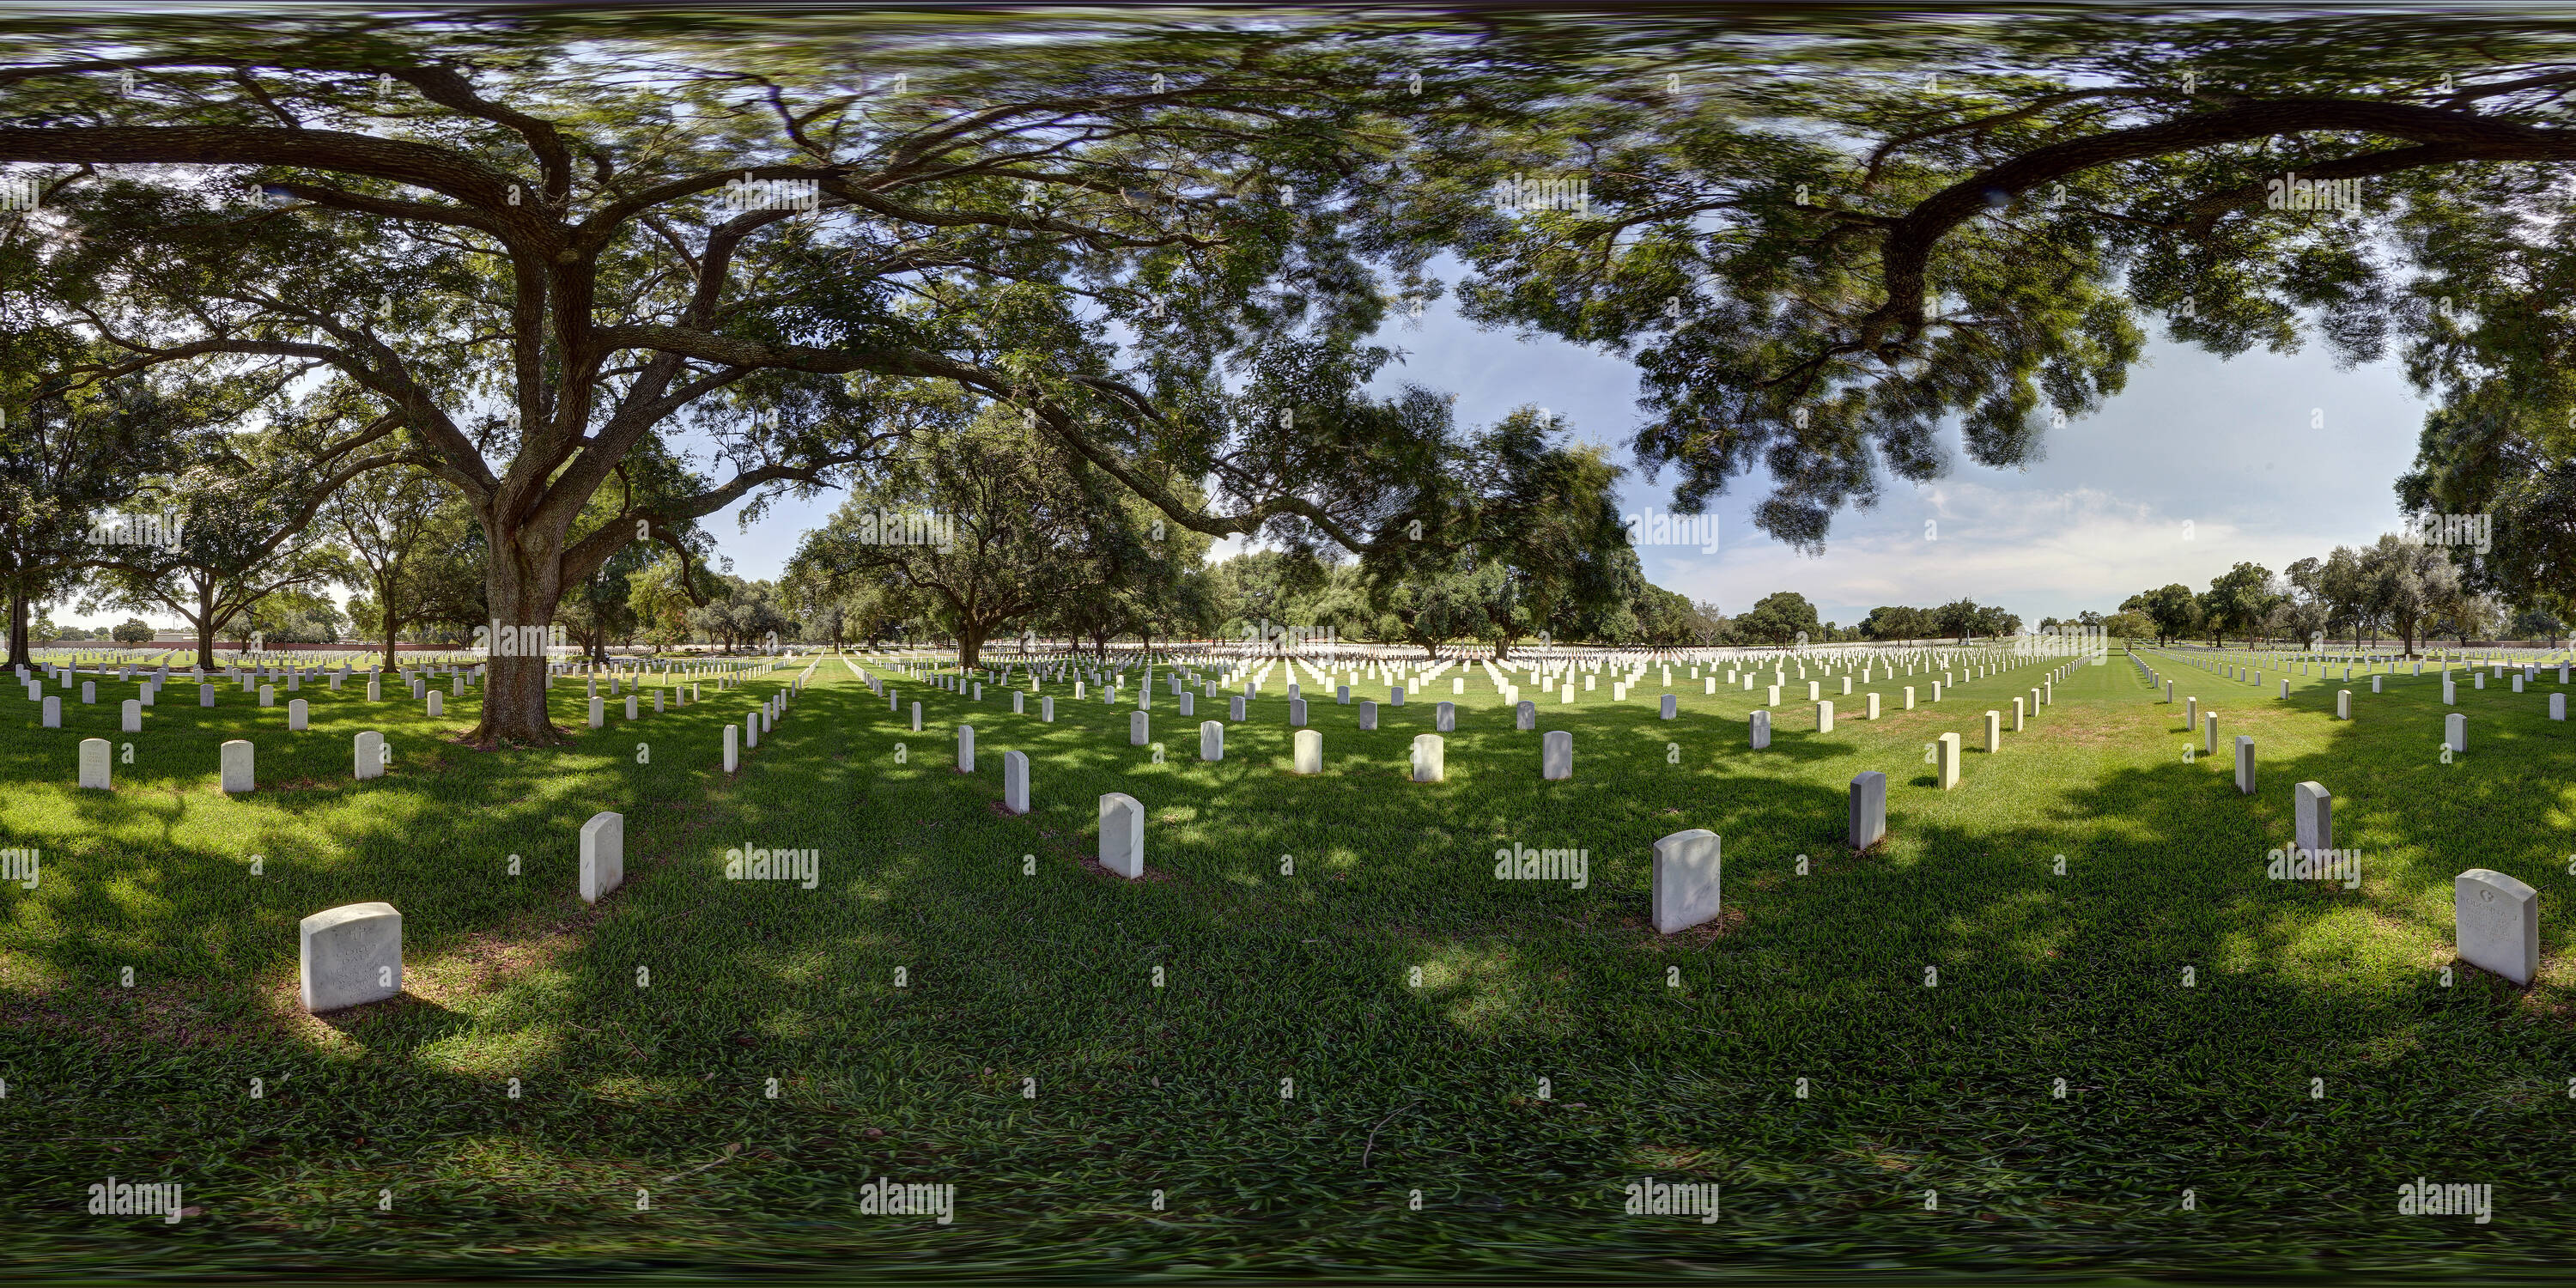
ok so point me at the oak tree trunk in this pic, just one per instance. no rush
(522, 583)
(393, 624)
(18, 654)
(206, 628)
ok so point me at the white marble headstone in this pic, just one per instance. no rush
(1556, 754)
(603, 855)
(1687, 879)
(1015, 782)
(1430, 758)
(2312, 815)
(1122, 835)
(1868, 809)
(349, 956)
(2496, 923)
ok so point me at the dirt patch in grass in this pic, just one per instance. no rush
(1727, 922)
(482, 963)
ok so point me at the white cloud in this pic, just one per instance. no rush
(1990, 544)
(2040, 554)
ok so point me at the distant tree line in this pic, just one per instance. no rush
(2415, 590)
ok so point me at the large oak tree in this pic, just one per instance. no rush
(536, 256)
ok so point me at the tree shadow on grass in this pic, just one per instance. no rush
(1272, 979)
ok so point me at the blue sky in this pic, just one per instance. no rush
(2224, 447)
(2200, 463)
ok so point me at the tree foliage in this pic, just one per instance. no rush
(990, 523)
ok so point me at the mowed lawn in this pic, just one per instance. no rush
(964, 998)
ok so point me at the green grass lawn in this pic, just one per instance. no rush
(1025, 968)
